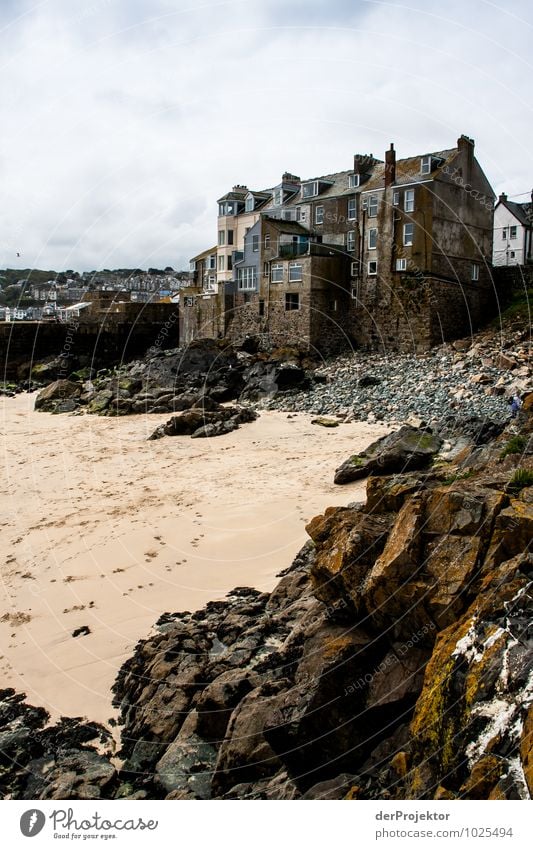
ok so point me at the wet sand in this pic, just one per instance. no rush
(101, 528)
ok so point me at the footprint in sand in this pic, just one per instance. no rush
(150, 555)
(17, 618)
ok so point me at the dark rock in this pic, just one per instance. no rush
(201, 422)
(82, 631)
(368, 380)
(404, 450)
(58, 391)
(333, 788)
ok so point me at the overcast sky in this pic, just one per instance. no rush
(124, 120)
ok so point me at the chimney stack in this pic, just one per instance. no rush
(503, 197)
(390, 166)
(465, 146)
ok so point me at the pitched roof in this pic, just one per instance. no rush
(287, 226)
(408, 170)
(521, 211)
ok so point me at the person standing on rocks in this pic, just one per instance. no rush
(516, 403)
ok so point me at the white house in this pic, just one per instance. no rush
(74, 311)
(513, 228)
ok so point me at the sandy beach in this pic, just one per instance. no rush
(102, 529)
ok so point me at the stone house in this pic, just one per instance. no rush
(425, 226)
(513, 230)
(200, 313)
(393, 254)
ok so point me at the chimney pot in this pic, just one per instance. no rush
(503, 196)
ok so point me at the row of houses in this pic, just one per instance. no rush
(389, 252)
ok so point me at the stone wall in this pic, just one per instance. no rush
(418, 313)
(106, 342)
(201, 318)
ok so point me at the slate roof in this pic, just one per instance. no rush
(408, 170)
(523, 212)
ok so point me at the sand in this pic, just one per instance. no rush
(101, 528)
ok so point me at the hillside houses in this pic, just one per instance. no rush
(391, 253)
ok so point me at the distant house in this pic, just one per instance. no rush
(68, 313)
(513, 231)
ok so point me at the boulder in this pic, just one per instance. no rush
(404, 450)
(200, 422)
(59, 390)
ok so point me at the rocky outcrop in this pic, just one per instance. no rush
(61, 761)
(200, 422)
(206, 372)
(404, 450)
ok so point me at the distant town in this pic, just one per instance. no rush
(35, 295)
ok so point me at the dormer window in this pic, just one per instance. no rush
(354, 181)
(249, 203)
(277, 197)
(309, 190)
(425, 165)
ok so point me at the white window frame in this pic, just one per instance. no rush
(249, 203)
(354, 269)
(350, 241)
(425, 165)
(212, 262)
(277, 197)
(319, 214)
(373, 205)
(409, 200)
(277, 273)
(247, 278)
(513, 231)
(401, 264)
(352, 209)
(372, 268)
(310, 189)
(267, 241)
(474, 272)
(221, 263)
(292, 266)
(396, 197)
(354, 181)
(221, 238)
(372, 236)
(408, 234)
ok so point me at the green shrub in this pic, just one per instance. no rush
(521, 479)
(516, 445)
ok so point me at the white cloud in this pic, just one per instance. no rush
(124, 120)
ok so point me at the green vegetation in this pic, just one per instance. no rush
(516, 445)
(521, 479)
(520, 306)
(460, 476)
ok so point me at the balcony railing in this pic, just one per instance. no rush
(293, 250)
